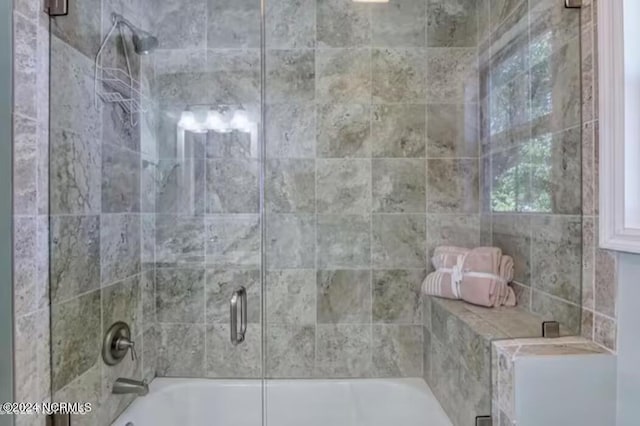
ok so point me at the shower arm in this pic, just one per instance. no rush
(118, 19)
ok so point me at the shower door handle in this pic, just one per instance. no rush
(240, 295)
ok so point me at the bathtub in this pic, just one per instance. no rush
(359, 402)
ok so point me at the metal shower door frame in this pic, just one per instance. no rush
(6, 210)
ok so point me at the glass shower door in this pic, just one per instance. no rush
(155, 199)
(389, 129)
(532, 157)
(345, 186)
(393, 128)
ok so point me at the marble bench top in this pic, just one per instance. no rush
(494, 323)
(572, 345)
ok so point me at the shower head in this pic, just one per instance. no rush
(143, 41)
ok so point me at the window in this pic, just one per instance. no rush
(619, 68)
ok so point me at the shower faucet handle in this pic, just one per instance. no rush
(117, 342)
(124, 344)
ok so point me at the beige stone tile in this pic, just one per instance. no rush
(586, 328)
(604, 332)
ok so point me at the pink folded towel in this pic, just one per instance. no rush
(440, 283)
(447, 256)
(479, 276)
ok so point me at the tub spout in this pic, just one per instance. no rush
(128, 386)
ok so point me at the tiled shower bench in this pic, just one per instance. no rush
(457, 352)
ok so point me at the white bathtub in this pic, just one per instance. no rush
(203, 402)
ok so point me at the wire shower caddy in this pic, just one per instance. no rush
(115, 85)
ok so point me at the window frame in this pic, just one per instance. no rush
(619, 131)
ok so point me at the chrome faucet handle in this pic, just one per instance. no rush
(124, 343)
(117, 342)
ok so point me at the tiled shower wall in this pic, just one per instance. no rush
(30, 205)
(31, 181)
(531, 151)
(98, 275)
(372, 160)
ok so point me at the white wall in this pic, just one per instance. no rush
(566, 390)
(628, 409)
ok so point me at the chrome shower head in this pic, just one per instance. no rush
(143, 41)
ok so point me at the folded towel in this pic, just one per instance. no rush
(506, 273)
(483, 259)
(506, 268)
(439, 283)
(486, 277)
(479, 276)
(447, 256)
(489, 291)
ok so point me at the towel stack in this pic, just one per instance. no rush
(480, 276)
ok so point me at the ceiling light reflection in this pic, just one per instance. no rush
(203, 120)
